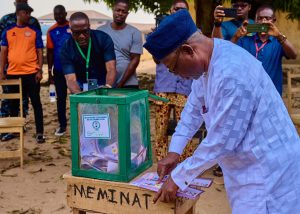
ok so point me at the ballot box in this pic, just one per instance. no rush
(110, 134)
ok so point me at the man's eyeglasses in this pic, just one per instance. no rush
(79, 32)
(173, 66)
(268, 18)
(241, 5)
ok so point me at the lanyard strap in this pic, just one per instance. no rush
(259, 48)
(86, 58)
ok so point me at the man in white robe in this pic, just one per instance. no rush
(250, 134)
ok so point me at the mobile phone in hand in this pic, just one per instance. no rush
(260, 28)
(230, 12)
(92, 84)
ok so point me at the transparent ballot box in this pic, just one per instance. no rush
(110, 134)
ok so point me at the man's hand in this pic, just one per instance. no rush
(167, 192)
(39, 76)
(50, 77)
(241, 32)
(2, 76)
(72, 83)
(50, 80)
(120, 85)
(273, 30)
(219, 14)
(167, 164)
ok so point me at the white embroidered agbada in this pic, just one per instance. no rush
(250, 135)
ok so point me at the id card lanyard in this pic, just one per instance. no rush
(86, 58)
(259, 48)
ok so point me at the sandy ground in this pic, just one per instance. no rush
(39, 187)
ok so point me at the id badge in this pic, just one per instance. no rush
(85, 87)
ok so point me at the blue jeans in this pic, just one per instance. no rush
(61, 95)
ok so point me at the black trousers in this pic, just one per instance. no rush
(61, 95)
(32, 89)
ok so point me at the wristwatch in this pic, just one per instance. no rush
(281, 38)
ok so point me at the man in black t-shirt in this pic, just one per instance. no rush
(88, 54)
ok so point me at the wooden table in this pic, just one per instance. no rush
(92, 195)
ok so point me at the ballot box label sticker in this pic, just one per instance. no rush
(96, 126)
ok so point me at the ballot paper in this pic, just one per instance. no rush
(106, 159)
(149, 181)
(201, 182)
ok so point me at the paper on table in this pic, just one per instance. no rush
(202, 182)
(149, 181)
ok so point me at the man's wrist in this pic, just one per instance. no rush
(217, 23)
(281, 38)
(174, 155)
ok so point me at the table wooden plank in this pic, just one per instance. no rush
(118, 197)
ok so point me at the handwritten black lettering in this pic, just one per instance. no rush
(147, 196)
(126, 197)
(90, 190)
(136, 200)
(81, 190)
(102, 194)
(112, 200)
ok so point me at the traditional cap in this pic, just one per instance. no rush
(171, 33)
(23, 6)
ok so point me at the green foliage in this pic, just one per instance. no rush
(163, 6)
(290, 6)
(149, 6)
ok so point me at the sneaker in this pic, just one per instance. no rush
(60, 131)
(40, 138)
(8, 136)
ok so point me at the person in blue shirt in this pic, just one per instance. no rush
(56, 37)
(87, 55)
(270, 47)
(225, 30)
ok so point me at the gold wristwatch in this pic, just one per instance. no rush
(281, 38)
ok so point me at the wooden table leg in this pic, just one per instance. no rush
(77, 211)
(192, 210)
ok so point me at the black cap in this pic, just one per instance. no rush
(23, 6)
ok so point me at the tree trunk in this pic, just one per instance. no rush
(204, 15)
